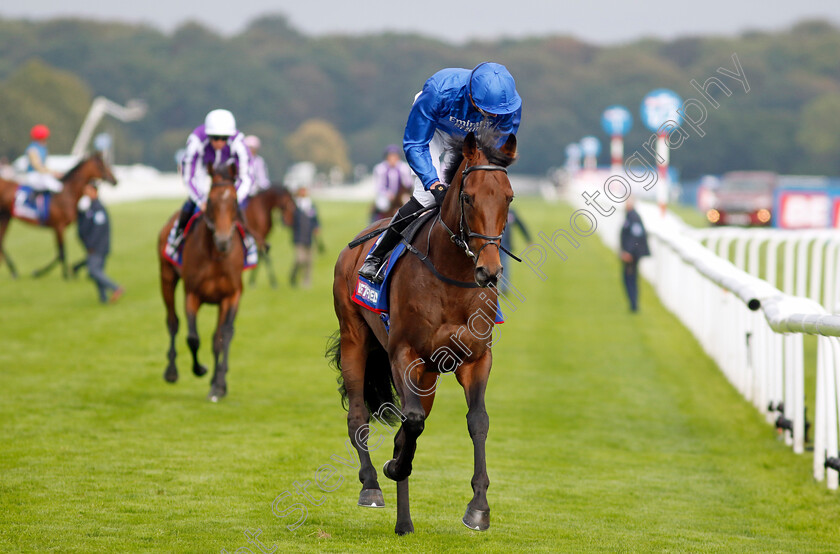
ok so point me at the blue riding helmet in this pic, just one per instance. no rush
(493, 89)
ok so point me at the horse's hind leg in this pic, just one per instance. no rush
(474, 378)
(191, 308)
(354, 359)
(5, 218)
(168, 282)
(221, 348)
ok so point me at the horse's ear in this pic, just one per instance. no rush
(509, 147)
(470, 147)
(210, 170)
(234, 171)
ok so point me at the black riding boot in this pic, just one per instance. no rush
(373, 262)
(186, 213)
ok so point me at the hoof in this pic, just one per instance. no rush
(216, 393)
(404, 528)
(199, 370)
(371, 498)
(171, 374)
(477, 520)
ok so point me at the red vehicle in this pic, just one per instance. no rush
(742, 198)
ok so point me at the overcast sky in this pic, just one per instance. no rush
(599, 21)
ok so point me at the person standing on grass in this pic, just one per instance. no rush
(95, 233)
(634, 246)
(304, 229)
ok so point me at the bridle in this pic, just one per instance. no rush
(211, 226)
(462, 239)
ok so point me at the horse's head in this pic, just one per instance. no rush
(485, 195)
(286, 204)
(100, 169)
(222, 210)
(90, 169)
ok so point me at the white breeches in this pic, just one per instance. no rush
(42, 181)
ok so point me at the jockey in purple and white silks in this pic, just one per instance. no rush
(390, 176)
(453, 102)
(216, 143)
(260, 170)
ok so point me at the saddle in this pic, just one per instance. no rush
(32, 205)
(374, 296)
(173, 250)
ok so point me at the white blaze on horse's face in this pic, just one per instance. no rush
(222, 207)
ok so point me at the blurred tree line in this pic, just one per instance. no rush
(287, 87)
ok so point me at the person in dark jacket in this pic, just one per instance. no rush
(95, 234)
(304, 229)
(634, 246)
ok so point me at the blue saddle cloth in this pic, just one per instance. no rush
(32, 205)
(375, 297)
(176, 255)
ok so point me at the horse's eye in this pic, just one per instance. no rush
(467, 199)
(509, 199)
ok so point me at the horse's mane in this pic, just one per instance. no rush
(488, 142)
(74, 170)
(278, 186)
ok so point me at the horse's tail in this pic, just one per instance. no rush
(379, 382)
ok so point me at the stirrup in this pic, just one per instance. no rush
(371, 269)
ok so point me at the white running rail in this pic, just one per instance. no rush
(753, 330)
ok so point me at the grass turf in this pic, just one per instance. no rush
(609, 431)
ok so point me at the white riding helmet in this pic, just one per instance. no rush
(220, 123)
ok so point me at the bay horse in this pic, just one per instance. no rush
(432, 303)
(258, 218)
(211, 268)
(62, 207)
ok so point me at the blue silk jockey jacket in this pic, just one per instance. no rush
(444, 105)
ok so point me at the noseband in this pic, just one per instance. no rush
(462, 239)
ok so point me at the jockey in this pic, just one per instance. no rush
(37, 175)
(261, 180)
(390, 177)
(453, 102)
(217, 142)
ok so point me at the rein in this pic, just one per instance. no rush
(462, 239)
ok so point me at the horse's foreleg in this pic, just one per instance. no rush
(59, 257)
(221, 347)
(353, 365)
(253, 280)
(191, 304)
(5, 218)
(65, 271)
(168, 282)
(473, 377)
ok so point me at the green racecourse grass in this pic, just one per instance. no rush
(609, 431)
